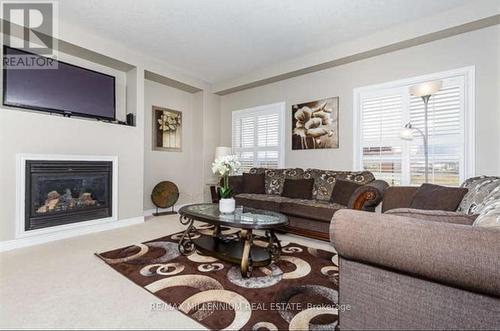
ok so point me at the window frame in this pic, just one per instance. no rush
(279, 108)
(469, 155)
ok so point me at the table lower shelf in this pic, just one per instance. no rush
(231, 251)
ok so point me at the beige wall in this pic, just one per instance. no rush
(189, 169)
(211, 135)
(479, 48)
(178, 167)
(36, 133)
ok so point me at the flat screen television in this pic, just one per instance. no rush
(69, 89)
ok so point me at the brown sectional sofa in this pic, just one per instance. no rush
(312, 217)
(418, 269)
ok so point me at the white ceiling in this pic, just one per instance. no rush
(216, 40)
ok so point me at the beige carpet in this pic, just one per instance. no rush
(63, 285)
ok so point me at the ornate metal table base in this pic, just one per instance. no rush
(246, 260)
(186, 244)
(239, 250)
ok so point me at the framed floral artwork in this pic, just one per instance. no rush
(167, 129)
(315, 124)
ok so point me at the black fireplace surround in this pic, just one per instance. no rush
(64, 192)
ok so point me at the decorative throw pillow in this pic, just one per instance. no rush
(275, 178)
(253, 183)
(479, 188)
(342, 191)
(490, 219)
(490, 211)
(324, 180)
(436, 197)
(298, 188)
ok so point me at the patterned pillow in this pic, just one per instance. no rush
(490, 211)
(489, 220)
(275, 178)
(257, 171)
(479, 188)
(324, 180)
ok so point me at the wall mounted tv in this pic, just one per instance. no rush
(69, 89)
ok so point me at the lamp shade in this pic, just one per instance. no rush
(406, 133)
(427, 88)
(222, 151)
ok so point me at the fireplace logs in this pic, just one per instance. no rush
(57, 202)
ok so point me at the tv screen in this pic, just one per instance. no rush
(68, 89)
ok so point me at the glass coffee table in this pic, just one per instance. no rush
(238, 249)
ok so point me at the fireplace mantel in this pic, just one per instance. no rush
(21, 197)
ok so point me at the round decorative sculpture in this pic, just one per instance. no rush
(165, 194)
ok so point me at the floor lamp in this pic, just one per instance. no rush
(424, 90)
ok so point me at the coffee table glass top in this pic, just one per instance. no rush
(243, 217)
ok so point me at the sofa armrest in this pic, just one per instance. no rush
(398, 197)
(434, 215)
(457, 255)
(368, 196)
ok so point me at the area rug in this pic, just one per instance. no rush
(299, 292)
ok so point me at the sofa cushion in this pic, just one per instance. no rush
(436, 197)
(275, 178)
(311, 209)
(324, 180)
(343, 190)
(298, 188)
(235, 183)
(253, 183)
(398, 197)
(260, 201)
(479, 188)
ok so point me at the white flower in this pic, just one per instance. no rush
(226, 165)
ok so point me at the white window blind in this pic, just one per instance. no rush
(383, 111)
(257, 136)
(446, 138)
(382, 147)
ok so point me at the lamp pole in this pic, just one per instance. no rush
(424, 90)
(408, 126)
(426, 135)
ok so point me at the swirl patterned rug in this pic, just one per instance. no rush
(299, 292)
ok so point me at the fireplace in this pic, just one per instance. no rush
(64, 192)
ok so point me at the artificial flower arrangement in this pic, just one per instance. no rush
(225, 166)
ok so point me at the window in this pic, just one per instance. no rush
(381, 111)
(382, 148)
(258, 136)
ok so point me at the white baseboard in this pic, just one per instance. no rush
(149, 212)
(44, 238)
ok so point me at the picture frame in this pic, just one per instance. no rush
(315, 124)
(166, 129)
